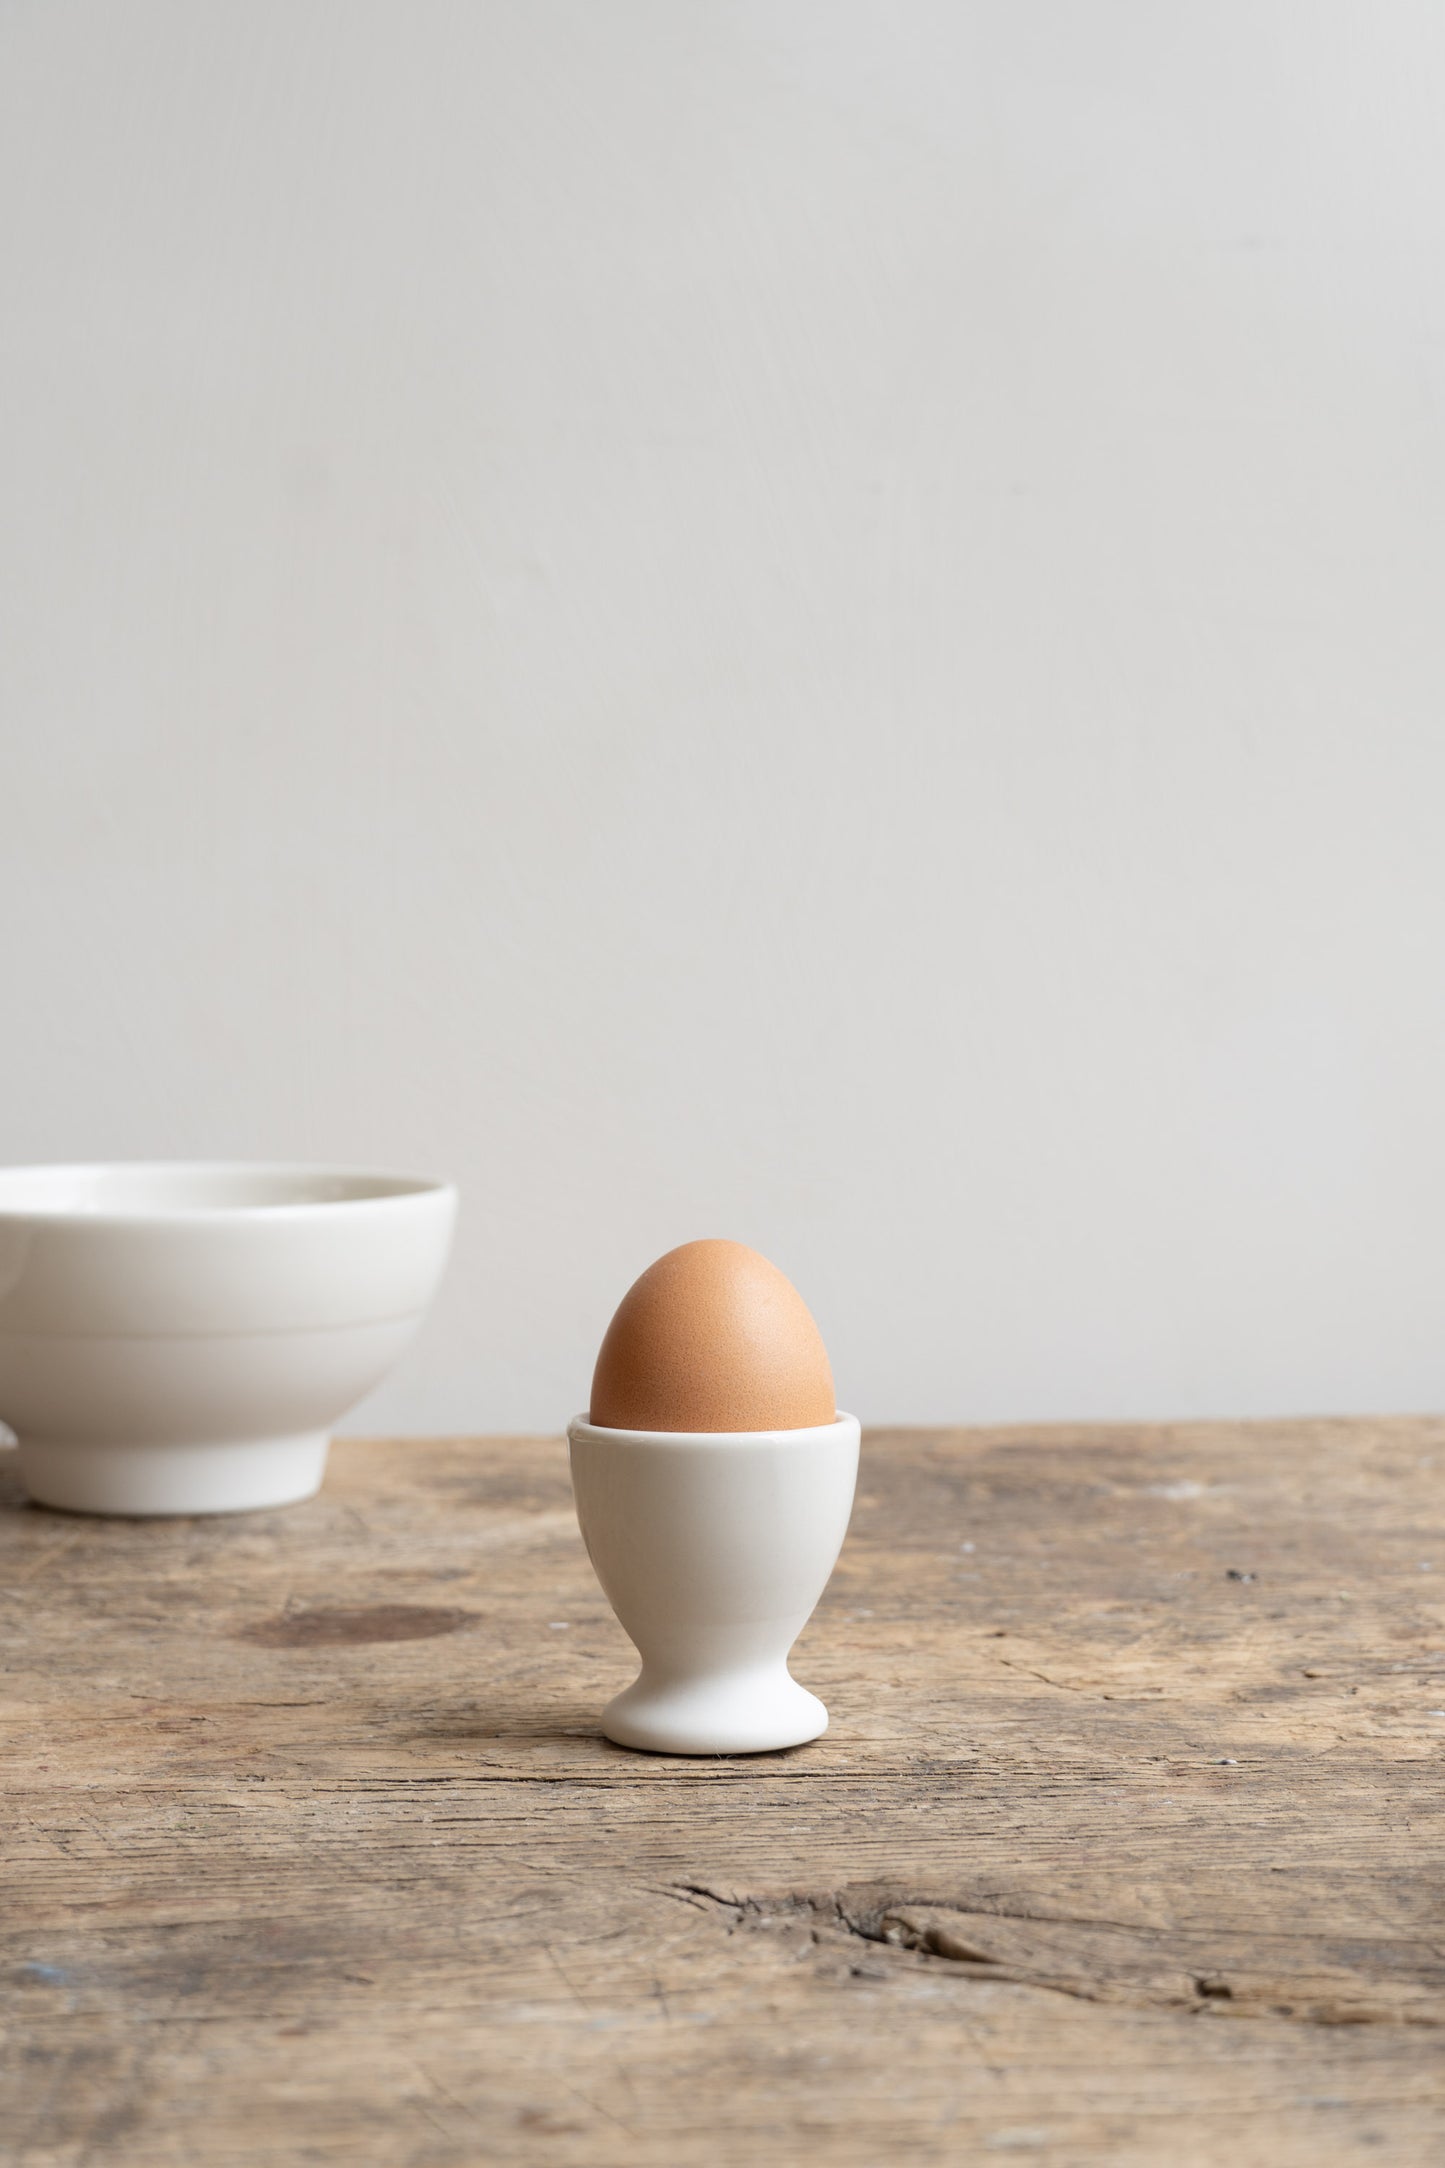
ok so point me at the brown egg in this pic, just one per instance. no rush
(712, 1337)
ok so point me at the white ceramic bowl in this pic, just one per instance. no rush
(182, 1338)
(712, 1547)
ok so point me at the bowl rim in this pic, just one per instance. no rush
(409, 1187)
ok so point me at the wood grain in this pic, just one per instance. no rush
(1125, 1845)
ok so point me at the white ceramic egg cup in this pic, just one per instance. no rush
(713, 1548)
(181, 1338)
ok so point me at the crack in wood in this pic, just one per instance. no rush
(1313, 1979)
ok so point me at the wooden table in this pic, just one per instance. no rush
(1125, 1845)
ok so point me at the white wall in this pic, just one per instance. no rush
(820, 622)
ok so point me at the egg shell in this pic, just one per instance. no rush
(712, 1337)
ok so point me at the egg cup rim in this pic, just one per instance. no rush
(843, 1425)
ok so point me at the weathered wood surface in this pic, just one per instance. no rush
(1125, 1845)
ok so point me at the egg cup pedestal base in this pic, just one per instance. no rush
(749, 1712)
(232, 1475)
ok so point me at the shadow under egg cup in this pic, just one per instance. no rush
(713, 1548)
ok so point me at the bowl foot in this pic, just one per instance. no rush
(748, 1712)
(224, 1476)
